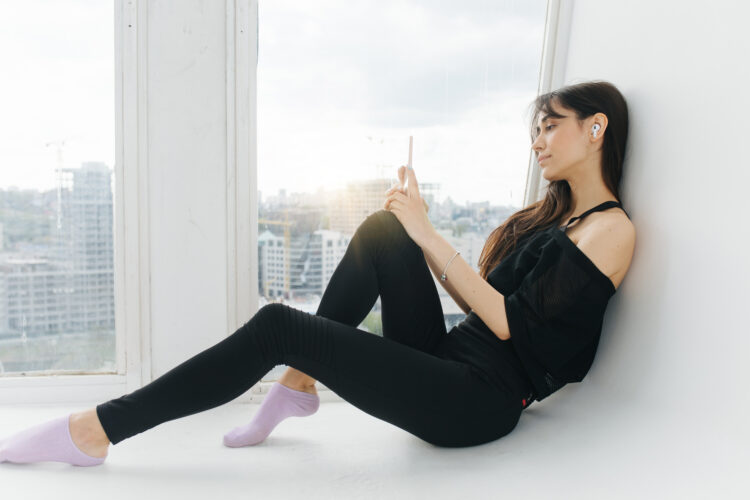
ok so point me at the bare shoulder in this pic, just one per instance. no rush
(609, 242)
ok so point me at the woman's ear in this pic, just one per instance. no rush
(602, 121)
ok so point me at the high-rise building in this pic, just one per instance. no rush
(312, 259)
(70, 290)
(359, 199)
(271, 272)
(86, 246)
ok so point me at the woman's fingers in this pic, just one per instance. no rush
(394, 189)
(400, 187)
(396, 195)
(402, 175)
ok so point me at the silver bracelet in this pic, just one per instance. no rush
(442, 277)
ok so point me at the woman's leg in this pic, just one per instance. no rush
(388, 380)
(395, 378)
(382, 259)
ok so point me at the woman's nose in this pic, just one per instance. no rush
(536, 145)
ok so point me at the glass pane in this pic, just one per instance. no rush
(57, 309)
(342, 86)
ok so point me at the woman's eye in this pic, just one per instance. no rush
(545, 128)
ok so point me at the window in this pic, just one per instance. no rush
(56, 191)
(347, 83)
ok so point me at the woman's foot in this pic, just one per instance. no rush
(52, 441)
(298, 381)
(88, 434)
(280, 403)
(308, 389)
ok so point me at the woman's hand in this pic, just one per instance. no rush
(409, 207)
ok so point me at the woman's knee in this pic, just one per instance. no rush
(274, 330)
(276, 310)
(389, 219)
(374, 225)
(270, 315)
(383, 227)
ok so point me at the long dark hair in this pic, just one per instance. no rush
(585, 99)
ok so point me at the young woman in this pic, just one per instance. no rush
(534, 312)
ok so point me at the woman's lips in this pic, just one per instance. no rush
(542, 158)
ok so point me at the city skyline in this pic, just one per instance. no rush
(463, 96)
(57, 263)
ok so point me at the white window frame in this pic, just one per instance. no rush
(242, 154)
(131, 217)
(551, 76)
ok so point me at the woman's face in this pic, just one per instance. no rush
(560, 143)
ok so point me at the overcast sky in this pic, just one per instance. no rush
(341, 86)
(57, 84)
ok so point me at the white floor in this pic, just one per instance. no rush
(560, 449)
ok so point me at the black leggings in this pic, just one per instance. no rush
(401, 378)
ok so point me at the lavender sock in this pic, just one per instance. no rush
(48, 441)
(280, 402)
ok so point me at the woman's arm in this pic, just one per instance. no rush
(484, 300)
(431, 262)
(446, 284)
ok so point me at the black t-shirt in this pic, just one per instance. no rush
(555, 299)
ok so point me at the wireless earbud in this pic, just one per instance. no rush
(595, 129)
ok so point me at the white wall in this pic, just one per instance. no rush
(676, 333)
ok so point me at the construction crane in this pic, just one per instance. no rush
(265, 286)
(287, 247)
(59, 170)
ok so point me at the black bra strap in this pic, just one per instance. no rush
(601, 206)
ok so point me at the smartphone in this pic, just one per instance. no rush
(408, 163)
(411, 144)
